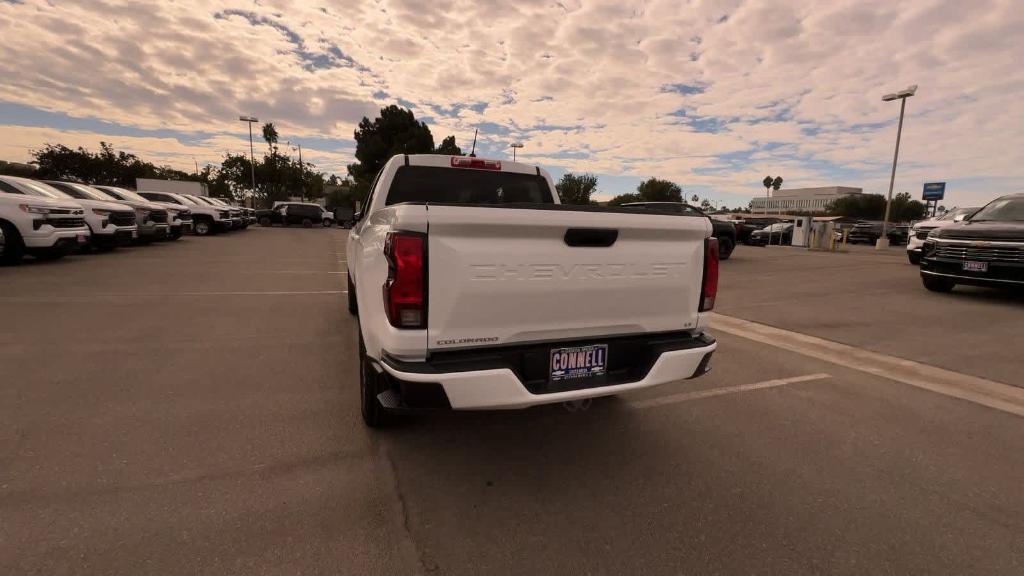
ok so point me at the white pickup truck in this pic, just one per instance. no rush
(475, 289)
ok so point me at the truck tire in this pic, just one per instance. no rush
(327, 222)
(307, 223)
(353, 306)
(374, 415)
(12, 248)
(265, 221)
(937, 284)
(203, 227)
(725, 248)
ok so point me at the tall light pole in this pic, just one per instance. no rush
(515, 146)
(902, 95)
(252, 158)
(302, 173)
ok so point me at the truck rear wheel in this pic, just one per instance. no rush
(353, 306)
(265, 221)
(307, 223)
(725, 248)
(12, 249)
(373, 413)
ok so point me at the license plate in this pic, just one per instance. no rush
(81, 239)
(135, 233)
(579, 362)
(976, 266)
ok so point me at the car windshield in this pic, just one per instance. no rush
(466, 186)
(957, 212)
(40, 189)
(80, 191)
(128, 194)
(1010, 209)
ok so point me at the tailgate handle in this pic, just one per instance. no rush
(591, 237)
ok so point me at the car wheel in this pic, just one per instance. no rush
(307, 223)
(12, 249)
(725, 248)
(327, 223)
(373, 413)
(203, 227)
(265, 221)
(914, 257)
(937, 284)
(353, 306)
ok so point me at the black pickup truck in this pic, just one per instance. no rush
(725, 231)
(986, 249)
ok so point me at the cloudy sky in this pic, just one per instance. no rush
(713, 95)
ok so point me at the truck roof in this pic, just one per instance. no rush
(445, 161)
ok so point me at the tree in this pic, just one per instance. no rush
(695, 198)
(767, 182)
(270, 136)
(448, 147)
(108, 166)
(863, 206)
(705, 205)
(624, 199)
(777, 183)
(905, 209)
(16, 169)
(655, 190)
(396, 131)
(576, 189)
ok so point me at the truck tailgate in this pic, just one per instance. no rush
(502, 275)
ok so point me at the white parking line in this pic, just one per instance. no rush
(291, 272)
(988, 393)
(699, 394)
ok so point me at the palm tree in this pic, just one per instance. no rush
(270, 135)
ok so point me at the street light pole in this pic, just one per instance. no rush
(883, 241)
(515, 146)
(302, 173)
(252, 158)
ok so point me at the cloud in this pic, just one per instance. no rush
(710, 94)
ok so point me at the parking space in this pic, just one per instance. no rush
(875, 300)
(196, 411)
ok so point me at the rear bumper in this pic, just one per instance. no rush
(501, 388)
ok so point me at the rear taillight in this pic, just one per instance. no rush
(709, 286)
(405, 294)
(478, 163)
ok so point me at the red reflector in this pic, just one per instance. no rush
(478, 163)
(709, 286)
(405, 289)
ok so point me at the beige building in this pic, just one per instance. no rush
(801, 199)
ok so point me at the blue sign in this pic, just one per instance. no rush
(934, 190)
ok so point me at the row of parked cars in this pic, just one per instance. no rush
(48, 219)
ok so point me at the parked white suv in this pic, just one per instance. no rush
(153, 219)
(919, 231)
(206, 219)
(46, 228)
(496, 296)
(110, 223)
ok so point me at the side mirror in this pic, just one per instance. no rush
(357, 216)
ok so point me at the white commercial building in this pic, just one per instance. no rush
(801, 199)
(173, 186)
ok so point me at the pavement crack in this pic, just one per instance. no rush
(426, 565)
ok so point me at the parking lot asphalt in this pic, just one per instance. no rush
(193, 408)
(875, 300)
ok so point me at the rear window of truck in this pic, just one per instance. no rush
(466, 186)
